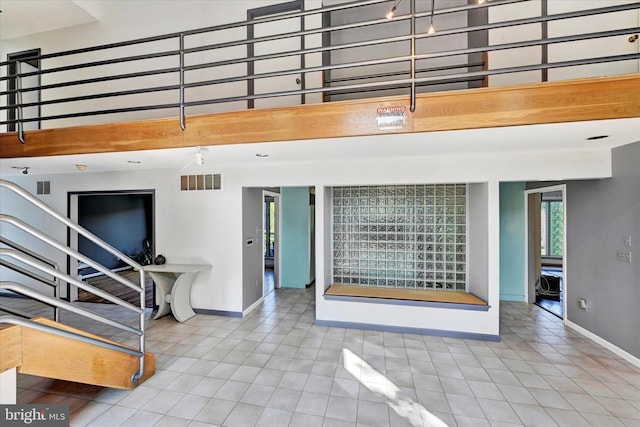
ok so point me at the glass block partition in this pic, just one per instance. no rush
(401, 236)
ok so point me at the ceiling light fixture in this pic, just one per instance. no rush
(199, 158)
(431, 29)
(481, 1)
(81, 168)
(392, 12)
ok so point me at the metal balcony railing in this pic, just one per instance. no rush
(331, 53)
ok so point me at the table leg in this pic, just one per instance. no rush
(164, 283)
(181, 297)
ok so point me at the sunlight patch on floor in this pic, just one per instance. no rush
(416, 414)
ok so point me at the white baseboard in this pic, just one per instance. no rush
(252, 307)
(606, 344)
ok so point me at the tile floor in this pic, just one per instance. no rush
(276, 368)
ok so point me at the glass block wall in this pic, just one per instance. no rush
(401, 236)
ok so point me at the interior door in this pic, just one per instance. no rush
(285, 83)
(604, 46)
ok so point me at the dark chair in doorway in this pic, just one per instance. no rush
(548, 287)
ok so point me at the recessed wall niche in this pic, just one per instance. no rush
(401, 236)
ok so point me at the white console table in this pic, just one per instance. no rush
(173, 288)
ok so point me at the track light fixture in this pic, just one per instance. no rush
(392, 12)
(431, 29)
(24, 169)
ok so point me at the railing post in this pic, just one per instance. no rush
(183, 125)
(412, 106)
(19, 112)
(136, 377)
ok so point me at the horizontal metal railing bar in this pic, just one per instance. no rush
(68, 334)
(400, 73)
(536, 67)
(531, 20)
(94, 96)
(28, 251)
(94, 80)
(28, 273)
(72, 280)
(307, 70)
(14, 311)
(418, 85)
(18, 223)
(54, 302)
(94, 64)
(528, 43)
(95, 113)
(306, 51)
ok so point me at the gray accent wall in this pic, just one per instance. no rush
(252, 254)
(600, 214)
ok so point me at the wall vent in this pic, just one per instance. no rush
(44, 187)
(201, 182)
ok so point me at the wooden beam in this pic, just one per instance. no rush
(11, 348)
(52, 356)
(550, 102)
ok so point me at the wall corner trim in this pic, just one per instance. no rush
(606, 344)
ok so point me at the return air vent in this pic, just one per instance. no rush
(201, 182)
(44, 187)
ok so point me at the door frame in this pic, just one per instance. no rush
(261, 12)
(276, 241)
(532, 247)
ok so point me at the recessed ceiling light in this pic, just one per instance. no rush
(133, 162)
(596, 137)
(81, 168)
(262, 155)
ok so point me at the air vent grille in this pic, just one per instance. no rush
(200, 182)
(44, 187)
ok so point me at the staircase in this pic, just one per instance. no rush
(49, 347)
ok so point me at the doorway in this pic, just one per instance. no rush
(270, 241)
(546, 246)
(275, 45)
(124, 220)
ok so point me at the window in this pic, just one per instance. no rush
(401, 236)
(552, 222)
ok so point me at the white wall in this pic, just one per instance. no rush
(206, 226)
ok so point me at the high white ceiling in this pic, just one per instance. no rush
(548, 137)
(24, 17)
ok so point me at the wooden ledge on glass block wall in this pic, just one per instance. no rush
(427, 297)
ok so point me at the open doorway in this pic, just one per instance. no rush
(546, 233)
(270, 241)
(124, 220)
